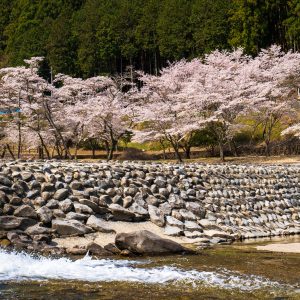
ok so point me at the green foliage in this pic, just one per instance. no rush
(174, 29)
(257, 24)
(91, 37)
(210, 25)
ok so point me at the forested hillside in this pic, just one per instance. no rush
(90, 37)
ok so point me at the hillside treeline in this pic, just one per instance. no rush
(91, 37)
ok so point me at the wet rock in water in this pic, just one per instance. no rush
(112, 248)
(70, 227)
(99, 224)
(97, 250)
(77, 250)
(146, 242)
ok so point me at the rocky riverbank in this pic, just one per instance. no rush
(43, 203)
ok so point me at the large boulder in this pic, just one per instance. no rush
(146, 242)
(70, 227)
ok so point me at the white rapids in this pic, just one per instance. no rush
(21, 266)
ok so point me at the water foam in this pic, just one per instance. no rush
(22, 266)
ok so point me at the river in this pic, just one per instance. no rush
(237, 271)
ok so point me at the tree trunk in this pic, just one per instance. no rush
(222, 156)
(3, 152)
(57, 149)
(58, 133)
(19, 139)
(10, 152)
(178, 156)
(44, 146)
(267, 148)
(76, 151)
(187, 151)
(233, 149)
(111, 150)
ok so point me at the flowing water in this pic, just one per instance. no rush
(228, 272)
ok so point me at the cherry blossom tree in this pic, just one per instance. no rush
(23, 89)
(164, 107)
(276, 77)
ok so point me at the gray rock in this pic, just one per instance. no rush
(196, 209)
(47, 187)
(82, 209)
(5, 181)
(45, 214)
(27, 176)
(52, 204)
(120, 213)
(76, 185)
(38, 229)
(127, 201)
(165, 208)
(99, 225)
(20, 188)
(173, 231)
(70, 227)
(25, 211)
(66, 205)
(95, 207)
(137, 209)
(187, 215)
(76, 216)
(61, 194)
(156, 216)
(176, 201)
(174, 222)
(12, 222)
(151, 200)
(33, 194)
(192, 226)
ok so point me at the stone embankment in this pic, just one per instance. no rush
(203, 204)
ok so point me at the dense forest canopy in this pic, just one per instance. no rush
(91, 37)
